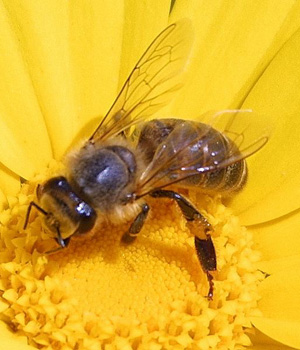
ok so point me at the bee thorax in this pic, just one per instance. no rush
(101, 175)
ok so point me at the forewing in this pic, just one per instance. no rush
(187, 150)
(153, 81)
(242, 126)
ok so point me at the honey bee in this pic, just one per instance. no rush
(127, 158)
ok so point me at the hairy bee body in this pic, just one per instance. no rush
(106, 175)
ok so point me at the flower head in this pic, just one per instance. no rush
(151, 294)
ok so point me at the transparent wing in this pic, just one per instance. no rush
(242, 126)
(152, 82)
(196, 148)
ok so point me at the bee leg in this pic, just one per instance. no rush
(204, 246)
(136, 226)
(207, 256)
(63, 242)
(60, 248)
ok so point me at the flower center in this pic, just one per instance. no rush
(150, 293)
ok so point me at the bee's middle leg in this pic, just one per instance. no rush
(136, 226)
(204, 245)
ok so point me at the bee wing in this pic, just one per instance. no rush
(242, 126)
(187, 150)
(152, 82)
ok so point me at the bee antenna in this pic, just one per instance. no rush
(40, 209)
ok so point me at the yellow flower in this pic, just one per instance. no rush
(62, 64)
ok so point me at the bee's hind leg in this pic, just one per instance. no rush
(204, 245)
(207, 256)
(136, 226)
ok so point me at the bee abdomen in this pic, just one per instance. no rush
(211, 149)
(152, 134)
(226, 180)
(230, 179)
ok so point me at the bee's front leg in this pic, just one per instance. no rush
(204, 246)
(63, 242)
(136, 226)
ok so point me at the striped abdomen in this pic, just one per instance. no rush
(211, 148)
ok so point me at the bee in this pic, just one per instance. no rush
(128, 158)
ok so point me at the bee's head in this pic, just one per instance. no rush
(65, 213)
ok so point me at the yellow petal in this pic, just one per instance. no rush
(152, 16)
(72, 50)
(278, 346)
(3, 200)
(230, 50)
(280, 306)
(22, 126)
(9, 183)
(261, 342)
(280, 264)
(11, 341)
(279, 238)
(95, 35)
(273, 188)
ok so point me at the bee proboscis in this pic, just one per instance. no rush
(117, 168)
